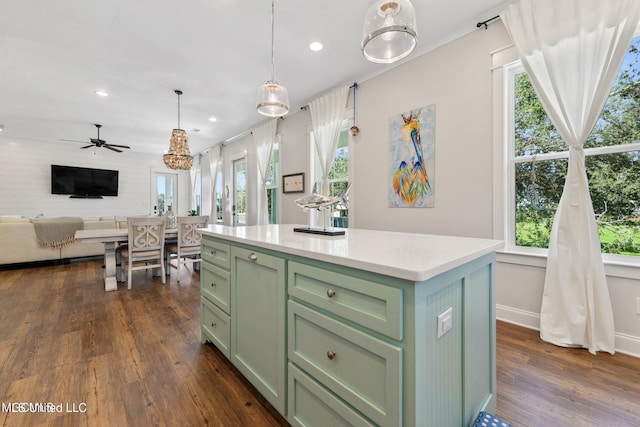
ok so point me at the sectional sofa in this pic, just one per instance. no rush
(19, 244)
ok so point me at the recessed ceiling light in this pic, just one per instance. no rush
(315, 46)
(213, 119)
(196, 131)
(1, 128)
(101, 93)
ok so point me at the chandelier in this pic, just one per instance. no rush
(272, 99)
(178, 156)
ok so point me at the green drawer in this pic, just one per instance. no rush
(215, 326)
(312, 405)
(370, 304)
(216, 287)
(362, 370)
(216, 253)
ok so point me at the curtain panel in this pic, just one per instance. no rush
(193, 175)
(327, 115)
(263, 140)
(572, 51)
(215, 159)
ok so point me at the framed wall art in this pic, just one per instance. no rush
(293, 183)
(411, 158)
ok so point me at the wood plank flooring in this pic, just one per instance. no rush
(135, 358)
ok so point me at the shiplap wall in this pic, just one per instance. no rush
(25, 180)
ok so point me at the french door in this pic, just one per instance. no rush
(239, 207)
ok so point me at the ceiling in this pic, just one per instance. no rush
(54, 55)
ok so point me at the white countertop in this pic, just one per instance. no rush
(414, 257)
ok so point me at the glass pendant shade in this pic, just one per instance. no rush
(389, 31)
(272, 100)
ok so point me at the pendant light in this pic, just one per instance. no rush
(389, 31)
(178, 156)
(272, 100)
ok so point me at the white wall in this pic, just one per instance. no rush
(25, 181)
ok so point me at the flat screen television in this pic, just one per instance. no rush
(83, 182)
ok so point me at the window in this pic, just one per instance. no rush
(338, 176)
(272, 185)
(198, 192)
(239, 207)
(218, 196)
(538, 159)
(165, 194)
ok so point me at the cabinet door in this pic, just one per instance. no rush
(258, 347)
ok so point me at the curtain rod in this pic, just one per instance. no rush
(480, 24)
(306, 107)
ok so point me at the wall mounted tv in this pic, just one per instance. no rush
(83, 182)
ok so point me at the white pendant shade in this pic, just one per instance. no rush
(272, 100)
(389, 31)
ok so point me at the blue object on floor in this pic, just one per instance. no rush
(486, 419)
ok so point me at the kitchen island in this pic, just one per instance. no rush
(369, 328)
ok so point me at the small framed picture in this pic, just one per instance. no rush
(293, 183)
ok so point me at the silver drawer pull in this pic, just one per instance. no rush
(253, 256)
(331, 293)
(331, 355)
(213, 325)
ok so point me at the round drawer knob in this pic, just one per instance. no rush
(331, 293)
(253, 256)
(331, 355)
(213, 325)
(213, 284)
(213, 253)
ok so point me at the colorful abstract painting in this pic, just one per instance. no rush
(412, 158)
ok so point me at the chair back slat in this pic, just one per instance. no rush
(146, 234)
(188, 234)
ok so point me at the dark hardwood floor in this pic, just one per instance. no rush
(135, 358)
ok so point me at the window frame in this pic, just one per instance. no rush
(627, 266)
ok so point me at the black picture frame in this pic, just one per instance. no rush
(293, 183)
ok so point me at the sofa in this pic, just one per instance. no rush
(19, 243)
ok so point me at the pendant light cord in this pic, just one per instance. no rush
(355, 86)
(273, 54)
(178, 92)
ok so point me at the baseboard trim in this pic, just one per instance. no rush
(625, 344)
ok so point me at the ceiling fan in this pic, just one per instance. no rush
(97, 142)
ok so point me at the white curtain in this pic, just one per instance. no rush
(572, 51)
(263, 139)
(215, 158)
(327, 115)
(193, 175)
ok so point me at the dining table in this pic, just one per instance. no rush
(111, 237)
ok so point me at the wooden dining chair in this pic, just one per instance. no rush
(145, 246)
(187, 247)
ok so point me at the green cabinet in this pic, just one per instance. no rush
(258, 324)
(330, 344)
(215, 288)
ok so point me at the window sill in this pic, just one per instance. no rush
(614, 265)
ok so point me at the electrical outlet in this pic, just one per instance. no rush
(445, 322)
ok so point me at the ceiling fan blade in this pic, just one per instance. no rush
(72, 140)
(89, 146)
(116, 145)
(113, 149)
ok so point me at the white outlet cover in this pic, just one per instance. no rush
(445, 322)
